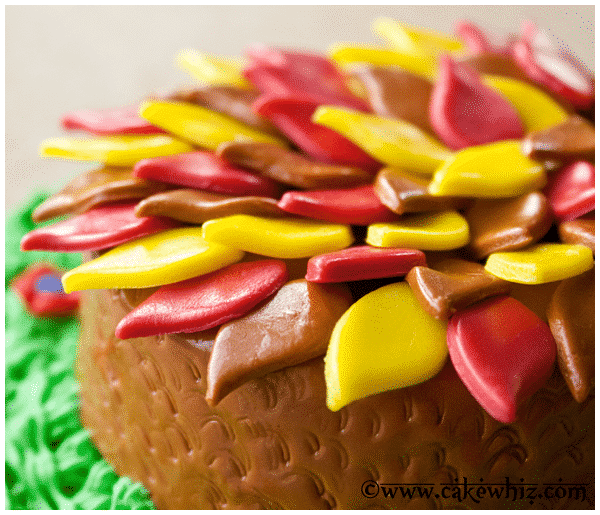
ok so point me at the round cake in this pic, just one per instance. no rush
(361, 281)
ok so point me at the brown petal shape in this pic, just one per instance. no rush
(496, 64)
(572, 140)
(571, 320)
(503, 225)
(92, 189)
(292, 327)
(396, 93)
(231, 101)
(405, 192)
(581, 231)
(453, 285)
(196, 207)
(290, 167)
(535, 296)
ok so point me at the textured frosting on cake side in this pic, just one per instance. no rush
(272, 443)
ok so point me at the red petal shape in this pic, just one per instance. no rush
(106, 122)
(96, 229)
(501, 364)
(205, 171)
(355, 206)
(473, 37)
(464, 112)
(292, 116)
(280, 72)
(204, 302)
(362, 262)
(571, 191)
(551, 69)
(40, 289)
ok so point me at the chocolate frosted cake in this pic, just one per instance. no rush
(356, 281)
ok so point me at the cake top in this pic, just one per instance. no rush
(241, 204)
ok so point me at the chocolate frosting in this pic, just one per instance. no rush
(272, 443)
(290, 167)
(196, 206)
(95, 188)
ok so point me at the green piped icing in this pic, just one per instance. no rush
(50, 461)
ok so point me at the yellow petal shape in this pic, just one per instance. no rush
(200, 126)
(496, 170)
(163, 258)
(537, 110)
(211, 69)
(391, 141)
(347, 54)
(284, 238)
(414, 40)
(429, 231)
(384, 341)
(542, 263)
(113, 150)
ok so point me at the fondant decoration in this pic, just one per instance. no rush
(231, 101)
(362, 262)
(443, 230)
(95, 188)
(282, 73)
(452, 285)
(502, 364)
(291, 167)
(541, 263)
(477, 40)
(507, 224)
(204, 302)
(415, 40)
(345, 55)
(197, 207)
(205, 171)
(555, 73)
(409, 347)
(292, 115)
(264, 341)
(212, 69)
(355, 206)
(200, 126)
(575, 138)
(488, 63)
(393, 142)
(164, 258)
(406, 192)
(397, 93)
(571, 316)
(581, 231)
(495, 170)
(572, 190)
(96, 229)
(42, 294)
(124, 150)
(107, 122)
(465, 112)
(284, 238)
(537, 110)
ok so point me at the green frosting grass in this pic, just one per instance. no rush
(51, 462)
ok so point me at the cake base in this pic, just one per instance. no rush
(272, 443)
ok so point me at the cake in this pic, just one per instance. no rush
(240, 233)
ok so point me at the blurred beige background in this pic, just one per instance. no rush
(65, 58)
